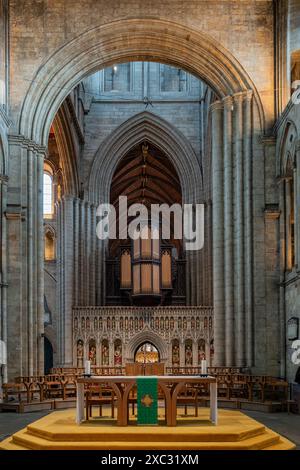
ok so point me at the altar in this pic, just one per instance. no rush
(171, 386)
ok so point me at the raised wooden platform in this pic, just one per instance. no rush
(235, 431)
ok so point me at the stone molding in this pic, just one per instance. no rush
(124, 40)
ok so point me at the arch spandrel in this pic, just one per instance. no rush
(122, 41)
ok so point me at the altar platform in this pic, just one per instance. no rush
(59, 431)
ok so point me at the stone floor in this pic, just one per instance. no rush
(288, 425)
(11, 422)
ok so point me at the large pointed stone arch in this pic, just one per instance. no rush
(145, 126)
(237, 119)
(121, 41)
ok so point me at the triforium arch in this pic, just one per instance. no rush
(146, 126)
(236, 118)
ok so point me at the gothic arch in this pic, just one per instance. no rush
(66, 151)
(122, 41)
(51, 230)
(50, 334)
(144, 337)
(145, 126)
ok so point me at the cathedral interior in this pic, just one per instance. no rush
(174, 105)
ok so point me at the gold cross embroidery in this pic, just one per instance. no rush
(147, 400)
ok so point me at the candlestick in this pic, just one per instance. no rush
(87, 368)
(203, 367)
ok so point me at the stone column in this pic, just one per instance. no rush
(218, 231)
(282, 276)
(92, 255)
(30, 252)
(3, 281)
(25, 318)
(76, 252)
(228, 232)
(66, 231)
(82, 249)
(40, 263)
(239, 231)
(248, 226)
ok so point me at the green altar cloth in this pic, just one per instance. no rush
(147, 400)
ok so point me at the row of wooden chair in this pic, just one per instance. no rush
(99, 395)
(230, 386)
(95, 370)
(40, 388)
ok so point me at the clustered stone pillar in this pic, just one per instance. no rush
(25, 293)
(228, 230)
(218, 231)
(3, 270)
(80, 261)
(248, 226)
(232, 229)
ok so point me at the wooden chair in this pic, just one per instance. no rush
(189, 396)
(97, 395)
(53, 387)
(14, 392)
(239, 387)
(224, 385)
(68, 384)
(275, 389)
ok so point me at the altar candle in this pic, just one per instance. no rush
(203, 367)
(88, 367)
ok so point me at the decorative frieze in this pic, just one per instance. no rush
(100, 333)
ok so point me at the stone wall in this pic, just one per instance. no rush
(294, 25)
(109, 110)
(288, 143)
(39, 27)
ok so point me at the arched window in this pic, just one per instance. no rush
(49, 245)
(48, 195)
(172, 79)
(117, 78)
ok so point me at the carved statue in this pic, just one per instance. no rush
(79, 353)
(105, 355)
(92, 354)
(118, 355)
(175, 355)
(188, 355)
(201, 351)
